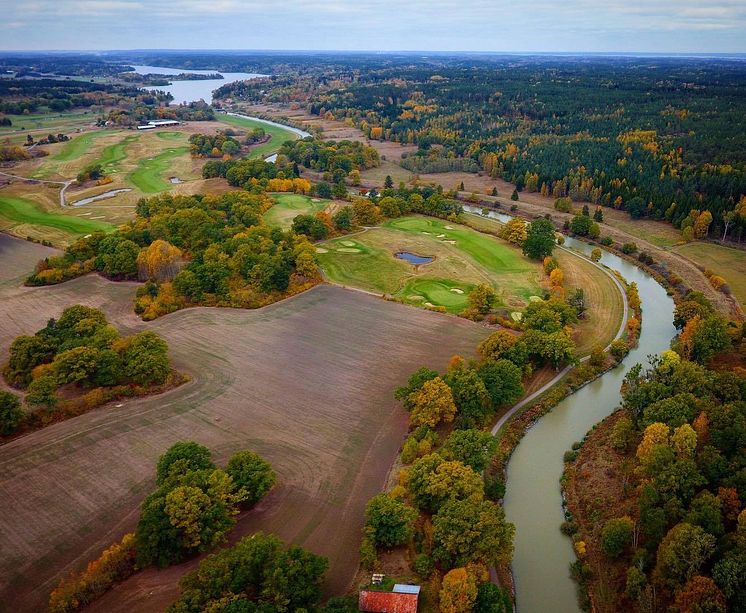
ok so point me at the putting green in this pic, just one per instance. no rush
(169, 135)
(147, 177)
(367, 261)
(24, 211)
(288, 206)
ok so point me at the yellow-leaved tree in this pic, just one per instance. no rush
(432, 404)
(159, 261)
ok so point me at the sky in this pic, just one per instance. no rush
(654, 26)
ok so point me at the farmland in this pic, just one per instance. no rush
(289, 205)
(291, 381)
(463, 258)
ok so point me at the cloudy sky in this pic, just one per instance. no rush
(681, 26)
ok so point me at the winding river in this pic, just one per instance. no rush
(533, 500)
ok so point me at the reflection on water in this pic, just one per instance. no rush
(533, 500)
(413, 258)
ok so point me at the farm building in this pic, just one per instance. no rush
(402, 599)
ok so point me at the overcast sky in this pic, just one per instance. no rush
(676, 26)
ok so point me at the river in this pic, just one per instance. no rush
(191, 91)
(533, 499)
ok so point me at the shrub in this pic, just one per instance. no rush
(629, 248)
(616, 535)
(423, 565)
(250, 472)
(607, 241)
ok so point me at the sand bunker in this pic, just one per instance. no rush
(441, 235)
(347, 243)
(348, 250)
(450, 242)
(429, 304)
(456, 290)
(321, 250)
(448, 227)
(535, 299)
(414, 297)
(516, 316)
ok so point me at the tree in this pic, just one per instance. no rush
(342, 219)
(414, 384)
(145, 359)
(636, 207)
(498, 345)
(251, 473)
(390, 520)
(470, 396)
(702, 224)
(433, 481)
(471, 530)
(11, 412)
(598, 215)
(514, 195)
(159, 261)
(432, 404)
(482, 298)
(26, 353)
(492, 599)
(540, 240)
(365, 212)
(673, 411)
(700, 594)
(502, 379)
(458, 592)
(596, 254)
(580, 225)
(310, 226)
(472, 447)
(183, 457)
(514, 231)
(616, 536)
(388, 182)
(681, 554)
(41, 392)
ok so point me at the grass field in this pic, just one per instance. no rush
(113, 154)
(77, 146)
(291, 381)
(463, 259)
(605, 303)
(41, 124)
(278, 135)
(148, 176)
(21, 211)
(724, 261)
(288, 206)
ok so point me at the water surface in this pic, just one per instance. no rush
(413, 258)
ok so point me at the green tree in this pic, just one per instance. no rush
(181, 458)
(433, 481)
(471, 530)
(252, 474)
(472, 447)
(414, 384)
(580, 225)
(682, 553)
(493, 599)
(502, 379)
(470, 396)
(145, 359)
(540, 240)
(26, 353)
(11, 412)
(616, 536)
(41, 392)
(390, 520)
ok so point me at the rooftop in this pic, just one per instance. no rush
(387, 602)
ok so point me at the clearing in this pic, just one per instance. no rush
(725, 261)
(463, 259)
(288, 206)
(291, 381)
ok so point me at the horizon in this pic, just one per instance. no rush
(659, 27)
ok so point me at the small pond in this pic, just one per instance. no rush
(413, 258)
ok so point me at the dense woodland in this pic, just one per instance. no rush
(676, 533)
(190, 250)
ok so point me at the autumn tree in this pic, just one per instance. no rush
(458, 592)
(470, 396)
(682, 553)
(472, 447)
(616, 536)
(433, 481)
(482, 298)
(514, 231)
(183, 457)
(432, 404)
(159, 261)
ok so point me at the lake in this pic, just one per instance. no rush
(191, 91)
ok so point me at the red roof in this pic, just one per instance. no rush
(387, 602)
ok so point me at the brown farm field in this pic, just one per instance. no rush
(307, 383)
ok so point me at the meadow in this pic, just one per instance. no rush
(290, 381)
(288, 206)
(727, 262)
(463, 258)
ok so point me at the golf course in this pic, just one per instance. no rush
(462, 259)
(288, 206)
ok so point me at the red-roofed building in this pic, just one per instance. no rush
(387, 602)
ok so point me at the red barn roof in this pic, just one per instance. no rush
(387, 602)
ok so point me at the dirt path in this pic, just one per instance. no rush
(64, 184)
